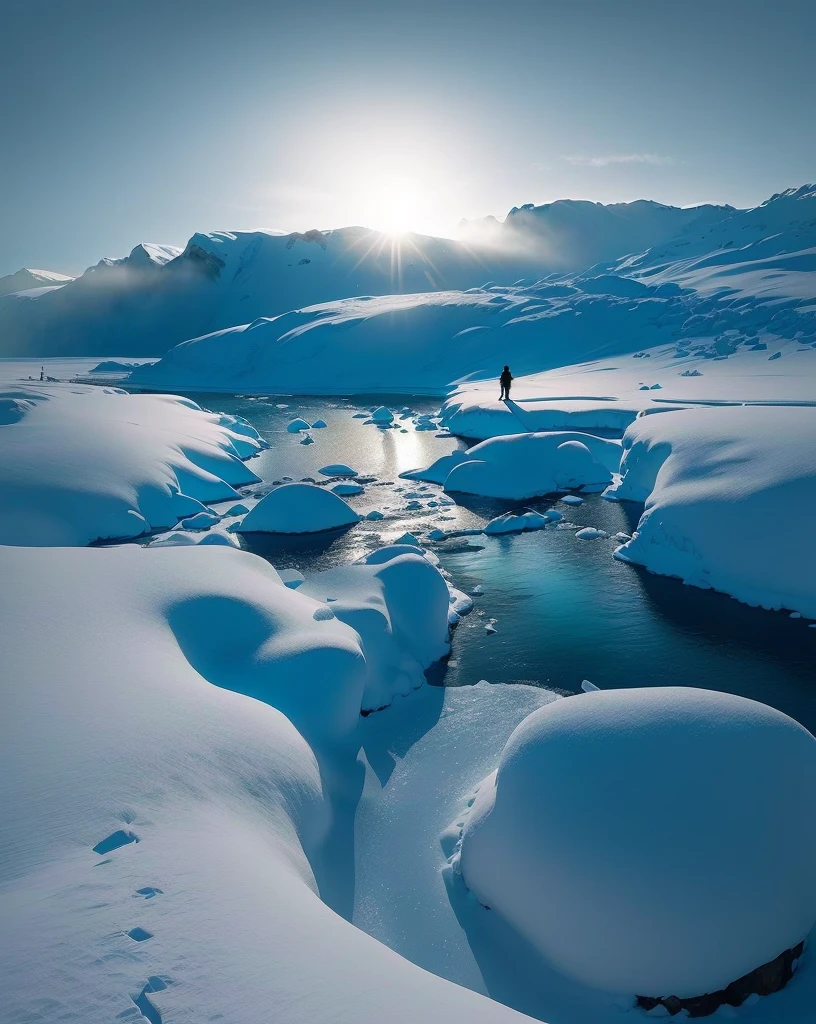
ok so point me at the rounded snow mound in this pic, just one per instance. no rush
(654, 841)
(299, 508)
(520, 466)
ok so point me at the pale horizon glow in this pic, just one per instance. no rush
(151, 122)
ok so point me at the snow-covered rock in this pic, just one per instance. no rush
(621, 824)
(81, 463)
(521, 466)
(711, 479)
(299, 508)
(398, 604)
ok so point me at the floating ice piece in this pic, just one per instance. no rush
(590, 533)
(319, 424)
(460, 603)
(347, 489)
(436, 535)
(512, 523)
(237, 510)
(374, 514)
(571, 499)
(588, 687)
(281, 405)
(382, 415)
(299, 508)
(477, 590)
(295, 426)
(308, 439)
(408, 538)
(360, 416)
(201, 521)
(338, 469)
(490, 627)
(622, 537)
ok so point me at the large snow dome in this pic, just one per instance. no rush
(655, 841)
(299, 508)
(521, 466)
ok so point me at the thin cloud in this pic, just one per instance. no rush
(628, 158)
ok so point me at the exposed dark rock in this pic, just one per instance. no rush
(764, 980)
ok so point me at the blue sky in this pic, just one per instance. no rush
(146, 121)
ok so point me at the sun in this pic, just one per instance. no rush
(396, 205)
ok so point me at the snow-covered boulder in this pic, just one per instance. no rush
(729, 495)
(397, 601)
(81, 463)
(299, 508)
(655, 841)
(520, 466)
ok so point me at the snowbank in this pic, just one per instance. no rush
(523, 466)
(299, 508)
(650, 841)
(398, 604)
(79, 464)
(212, 818)
(714, 482)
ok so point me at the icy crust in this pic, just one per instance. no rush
(634, 867)
(164, 839)
(714, 481)
(524, 466)
(299, 508)
(80, 464)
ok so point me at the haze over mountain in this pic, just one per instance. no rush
(160, 295)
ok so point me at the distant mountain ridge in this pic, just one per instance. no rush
(158, 296)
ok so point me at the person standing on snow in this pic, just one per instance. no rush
(504, 380)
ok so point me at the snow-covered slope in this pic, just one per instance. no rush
(714, 482)
(164, 839)
(79, 464)
(25, 279)
(158, 295)
(708, 307)
(570, 235)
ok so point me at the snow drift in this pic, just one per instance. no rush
(716, 482)
(165, 839)
(523, 466)
(80, 464)
(650, 841)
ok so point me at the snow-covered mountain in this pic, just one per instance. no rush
(759, 298)
(570, 235)
(158, 296)
(28, 279)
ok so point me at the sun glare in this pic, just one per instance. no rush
(397, 206)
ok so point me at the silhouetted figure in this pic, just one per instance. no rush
(505, 380)
(42, 373)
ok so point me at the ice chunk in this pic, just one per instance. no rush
(299, 508)
(296, 425)
(338, 469)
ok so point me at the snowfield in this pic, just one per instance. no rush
(713, 481)
(164, 839)
(674, 854)
(80, 464)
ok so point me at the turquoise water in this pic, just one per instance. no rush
(565, 609)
